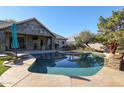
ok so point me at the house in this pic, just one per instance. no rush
(32, 35)
(60, 41)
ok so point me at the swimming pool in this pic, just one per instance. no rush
(87, 64)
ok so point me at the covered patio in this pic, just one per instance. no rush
(30, 42)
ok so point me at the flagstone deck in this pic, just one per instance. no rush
(19, 76)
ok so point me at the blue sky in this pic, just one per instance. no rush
(65, 21)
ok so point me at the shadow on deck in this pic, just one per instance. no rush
(81, 78)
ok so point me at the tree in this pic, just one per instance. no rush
(78, 41)
(84, 37)
(112, 31)
(112, 23)
(112, 40)
(102, 24)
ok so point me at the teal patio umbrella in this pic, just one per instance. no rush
(14, 43)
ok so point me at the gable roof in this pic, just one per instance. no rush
(5, 24)
(59, 37)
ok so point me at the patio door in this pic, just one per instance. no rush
(41, 44)
(21, 41)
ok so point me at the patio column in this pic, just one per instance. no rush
(26, 42)
(53, 43)
(2, 41)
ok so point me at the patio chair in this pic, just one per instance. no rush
(16, 59)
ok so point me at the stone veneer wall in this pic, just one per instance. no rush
(113, 63)
(2, 41)
(30, 28)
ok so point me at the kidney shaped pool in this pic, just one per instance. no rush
(87, 64)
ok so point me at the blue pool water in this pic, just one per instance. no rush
(56, 63)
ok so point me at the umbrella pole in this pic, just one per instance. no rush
(16, 52)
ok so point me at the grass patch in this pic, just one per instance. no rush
(2, 67)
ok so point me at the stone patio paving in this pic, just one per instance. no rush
(18, 77)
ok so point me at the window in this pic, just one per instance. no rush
(40, 31)
(63, 42)
(35, 38)
(24, 25)
(32, 27)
